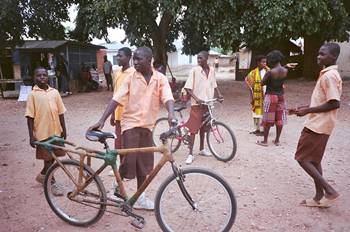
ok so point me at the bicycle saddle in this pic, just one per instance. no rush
(96, 135)
(179, 108)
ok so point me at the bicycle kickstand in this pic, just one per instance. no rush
(138, 221)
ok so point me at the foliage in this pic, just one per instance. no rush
(31, 18)
(266, 22)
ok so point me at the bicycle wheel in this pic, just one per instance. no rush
(75, 212)
(213, 197)
(161, 126)
(221, 141)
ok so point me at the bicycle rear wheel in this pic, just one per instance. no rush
(161, 126)
(75, 211)
(213, 197)
(221, 141)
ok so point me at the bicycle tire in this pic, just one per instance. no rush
(57, 175)
(219, 154)
(160, 128)
(170, 200)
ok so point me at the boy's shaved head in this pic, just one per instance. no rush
(38, 68)
(333, 48)
(204, 53)
(145, 51)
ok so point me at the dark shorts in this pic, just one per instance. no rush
(196, 116)
(118, 131)
(43, 154)
(139, 164)
(311, 146)
(275, 112)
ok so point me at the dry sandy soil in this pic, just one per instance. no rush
(267, 182)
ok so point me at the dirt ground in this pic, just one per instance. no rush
(267, 182)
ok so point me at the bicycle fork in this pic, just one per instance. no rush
(180, 178)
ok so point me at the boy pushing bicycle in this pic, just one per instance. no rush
(140, 93)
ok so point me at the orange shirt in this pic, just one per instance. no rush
(45, 106)
(118, 79)
(328, 87)
(201, 85)
(141, 101)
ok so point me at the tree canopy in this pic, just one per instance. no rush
(31, 18)
(261, 25)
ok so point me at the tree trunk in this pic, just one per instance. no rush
(312, 44)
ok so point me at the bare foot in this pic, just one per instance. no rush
(277, 143)
(262, 143)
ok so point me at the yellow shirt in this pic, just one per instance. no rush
(45, 106)
(141, 101)
(118, 79)
(328, 87)
(201, 85)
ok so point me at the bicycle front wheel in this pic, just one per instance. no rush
(80, 210)
(221, 141)
(161, 126)
(214, 201)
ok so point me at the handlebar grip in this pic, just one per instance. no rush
(164, 136)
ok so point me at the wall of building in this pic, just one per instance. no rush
(344, 60)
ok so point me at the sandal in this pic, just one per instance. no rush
(313, 203)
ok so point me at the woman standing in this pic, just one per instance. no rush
(274, 106)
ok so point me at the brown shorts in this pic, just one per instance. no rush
(311, 146)
(196, 117)
(43, 154)
(138, 164)
(118, 131)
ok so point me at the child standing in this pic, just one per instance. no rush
(322, 111)
(253, 81)
(274, 105)
(44, 113)
(201, 86)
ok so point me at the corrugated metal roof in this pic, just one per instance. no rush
(52, 44)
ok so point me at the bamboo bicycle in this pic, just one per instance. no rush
(192, 199)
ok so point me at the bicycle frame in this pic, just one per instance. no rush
(110, 160)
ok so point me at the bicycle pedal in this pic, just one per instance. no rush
(139, 223)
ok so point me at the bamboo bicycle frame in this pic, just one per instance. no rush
(88, 153)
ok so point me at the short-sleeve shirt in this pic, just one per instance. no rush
(45, 106)
(142, 101)
(201, 85)
(328, 87)
(118, 80)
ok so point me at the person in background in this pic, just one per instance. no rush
(274, 105)
(107, 70)
(253, 81)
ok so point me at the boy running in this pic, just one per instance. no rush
(253, 81)
(45, 118)
(325, 101)
(201, 86)
(141, 94)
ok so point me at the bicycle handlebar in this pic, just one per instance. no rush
(211, 101)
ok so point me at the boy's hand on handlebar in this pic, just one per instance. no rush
(200, 102)
(96, 126)
(32, 142)
(64, 134)
(221, 98)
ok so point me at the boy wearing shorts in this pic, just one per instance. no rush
(45, 118)
(141, 94)
(325, 101)
(201, 86)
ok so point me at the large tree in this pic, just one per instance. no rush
(267, 24)
(31, 18)
(157, 23)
